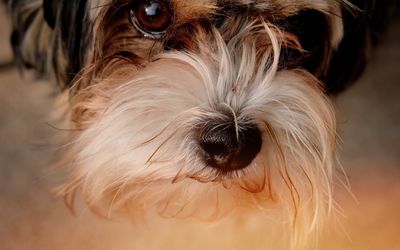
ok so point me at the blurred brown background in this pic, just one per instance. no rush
(30, 218)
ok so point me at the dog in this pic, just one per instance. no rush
(200, 108)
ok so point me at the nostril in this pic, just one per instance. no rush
(227, 150)
(218, 143)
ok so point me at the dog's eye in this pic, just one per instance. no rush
(151, 17)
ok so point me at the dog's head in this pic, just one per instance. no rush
(195, 107)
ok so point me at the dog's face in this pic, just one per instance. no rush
(195, 107)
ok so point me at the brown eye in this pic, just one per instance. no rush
(151, 17)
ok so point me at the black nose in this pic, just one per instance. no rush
(227, 149)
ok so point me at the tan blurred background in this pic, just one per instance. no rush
(30, 218)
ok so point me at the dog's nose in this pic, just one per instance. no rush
(228, 148)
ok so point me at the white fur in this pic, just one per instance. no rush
(140, 152)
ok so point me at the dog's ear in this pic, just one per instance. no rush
(51, 36)
(311, 27)
(337, 65)
(363, 28)
(74, 27)
(50, 12)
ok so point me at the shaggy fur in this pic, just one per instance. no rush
(139, 102)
